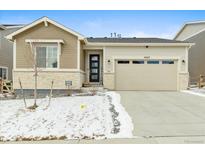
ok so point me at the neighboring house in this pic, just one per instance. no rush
(194, 32)
(115, 63)
(6, 51)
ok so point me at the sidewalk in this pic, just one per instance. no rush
(140, 140)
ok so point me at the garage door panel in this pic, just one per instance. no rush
(146, 76)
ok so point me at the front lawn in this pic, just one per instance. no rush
(77, 117)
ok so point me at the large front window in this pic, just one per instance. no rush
(47, 56)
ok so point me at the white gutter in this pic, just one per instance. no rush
(139, 44)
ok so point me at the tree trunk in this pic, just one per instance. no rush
(22, 92)
(35, 80)
(35, 76)
(51, 93)
(35, 89)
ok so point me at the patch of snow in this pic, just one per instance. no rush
(67, 117)
(126, 125)
(196, 91)
(1, 95)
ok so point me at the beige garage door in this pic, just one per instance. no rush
(146, 75)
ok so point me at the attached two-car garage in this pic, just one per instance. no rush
(146, 75)
(144, 63)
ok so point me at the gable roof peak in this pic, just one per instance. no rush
(186, 24)
(44, 19)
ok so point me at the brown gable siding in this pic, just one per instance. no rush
(68, 58)
(82, 57)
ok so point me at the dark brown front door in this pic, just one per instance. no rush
(94, 68)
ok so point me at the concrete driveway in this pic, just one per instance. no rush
(165, 114)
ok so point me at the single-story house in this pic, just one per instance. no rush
(67, 57)
(194, 32)
(6, 51)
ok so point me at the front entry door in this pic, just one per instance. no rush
(94, 68)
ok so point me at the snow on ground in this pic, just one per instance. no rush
(126, 125)
(1, 95)
(67, 118)
(196, 91)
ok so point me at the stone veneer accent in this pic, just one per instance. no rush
(45, 78)
(183, 81)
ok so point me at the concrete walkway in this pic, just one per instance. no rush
(165, 114)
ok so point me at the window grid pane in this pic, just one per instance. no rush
(52, 57)
(153, 62)
(167, 62)
(3, 73)
(94, 70)
(47, 57)
(123, 62)
(0, 72)
(41, 56)
(94, 64)
(138, 62)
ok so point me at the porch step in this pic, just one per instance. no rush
(92, 85)
(92, 88)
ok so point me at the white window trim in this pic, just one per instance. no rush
(78, 54)
(44, 41)
(58, 54)
(14, 54)
(7, 71)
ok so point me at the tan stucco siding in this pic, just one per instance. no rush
(189, 30)
(68, 57)
(197, 56)
(112, 53)
(176, 53)
(109, 80)
(183, 80)
(82, 57)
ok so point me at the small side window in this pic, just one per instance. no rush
(138, 62)
(153, 62)
(167, 62)
(123, 62)
(3, 73)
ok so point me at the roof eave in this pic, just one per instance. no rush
(180, 30)
(138, 44)
(3, 27)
